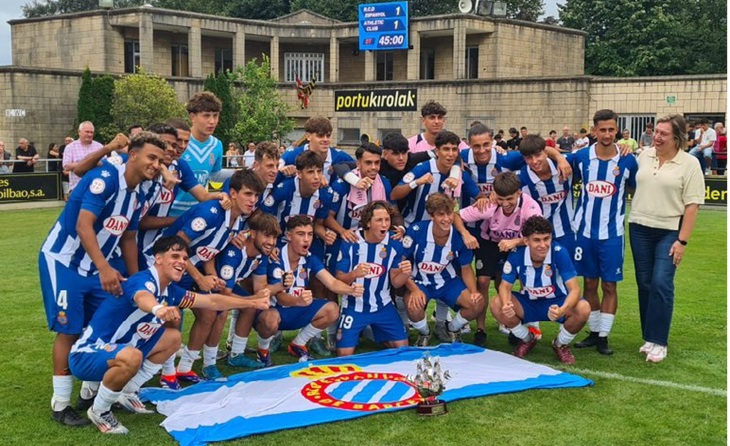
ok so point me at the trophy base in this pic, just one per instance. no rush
(437, 407)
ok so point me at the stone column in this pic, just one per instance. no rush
(334, 59)
(459, 50)
(146, 43)
(414, 57)
(195, 53)
(275, 58)
(369, 66)
(239, 47)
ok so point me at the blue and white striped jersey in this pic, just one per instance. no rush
(380, 258)
(601, 207)
(544, 282)
(555, 197)
(415, 210)
(286, 201)
(204, 158)
(345, 211)
(102, 191)
(120, 321)
(308, 267)
(434, 264)
(233, 264)
(334, 156)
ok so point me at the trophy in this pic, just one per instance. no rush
(429, 383)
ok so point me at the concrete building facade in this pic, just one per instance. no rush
(503, 72)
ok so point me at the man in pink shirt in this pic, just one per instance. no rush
(501, 225)
(433, 117)
(78, 150)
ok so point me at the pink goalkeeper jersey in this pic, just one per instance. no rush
(417, 143)
(495, 225)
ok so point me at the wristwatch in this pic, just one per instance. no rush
(682, 242)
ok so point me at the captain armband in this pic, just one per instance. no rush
(188, 300)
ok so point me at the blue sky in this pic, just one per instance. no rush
(10, 9)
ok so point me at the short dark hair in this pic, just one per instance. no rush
(531, 145)
(370, 208)
(396, 142)
(170, 243)
(134, 126)
(537, 224)
(506, 183)
(523, 128)
(266, 149)
(308, 159)
(204, 101)
(144, 137)
(513, 130)
(163, 129)
(433, 108)
(368, 147)
(552, 132)
(318, 125)
(447, 137)
(478, 128)
(299, 220)
(604, 115)
(249, 179)
(263, 222)
(178, 124)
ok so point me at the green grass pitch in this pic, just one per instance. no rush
(681, 401)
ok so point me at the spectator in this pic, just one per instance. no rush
(647, 138)
(669, 191)
(78, 150)
(134, 129)
(719, 151)
(64, 173)
(592, 136)
(282, 149)
(705, 143)
(5, 162)
(627, 140)
(233, 158)
(523, 133)
(582, 142)
(499, 141)
(565, 142)
(551, 139)
(27, 153)
(514, 142)
(250, 155)
(53, 154)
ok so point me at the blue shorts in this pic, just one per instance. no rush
(386, 324)
(69, 298)
(448, 293)
(294, 318)
(89, 361)
(600, 258)
(536, 310)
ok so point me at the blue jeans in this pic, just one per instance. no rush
(654, 279)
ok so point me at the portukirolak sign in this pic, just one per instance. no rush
(376, 100)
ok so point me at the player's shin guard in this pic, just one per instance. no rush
(238, 344)
(104, 399)
(594, 321)
(168, 367)
(62, 388)
(422, 326)
(187, 360)
(305, 334)
(606, 324)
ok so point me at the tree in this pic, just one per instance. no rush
(222, 86)
(41, 8)
(85, 104)
(262, 113)
(649, 37)
(145, 99)
(528, 10)
(96, 97)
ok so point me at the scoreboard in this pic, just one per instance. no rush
(383, 26)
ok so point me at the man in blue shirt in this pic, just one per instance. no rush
(127, 340)
(549, 291)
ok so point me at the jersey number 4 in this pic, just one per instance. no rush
(62, 300)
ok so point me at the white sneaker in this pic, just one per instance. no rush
(657, 353)
(646, 348)
(106, 422)
(503, 329)
(132, 403)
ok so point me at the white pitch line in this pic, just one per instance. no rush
(651, 382)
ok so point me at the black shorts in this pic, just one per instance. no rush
(490, 259)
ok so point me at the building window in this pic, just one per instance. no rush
(384, 66)
(472, 62)
(131, 56)
(179, 59)
(223, 60)
(305, 66)
(349, 136)
(384, 131)
(428, 64)
(635, 123)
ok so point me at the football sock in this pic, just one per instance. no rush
(606, 324)
(187, 359)
(533, 324)
(209, 355)
(89, 389)
(442, 311)
(238, 345)
(145, 373)
(168, 367)
(305, 334)
(458, 323)
(521, 332)
(232, 327)
(594, 321)
(264, 343)
(422, 326)
(400, 305)
(104, 399)
(564, 337)
(63, 386)
(332, 329)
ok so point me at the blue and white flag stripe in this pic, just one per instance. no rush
(322, 391)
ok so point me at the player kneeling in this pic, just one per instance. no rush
(373, 262)
(434, 246)
(293, 307)
(550, 291)
(127, 341)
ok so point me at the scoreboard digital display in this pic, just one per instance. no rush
(383, 26)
